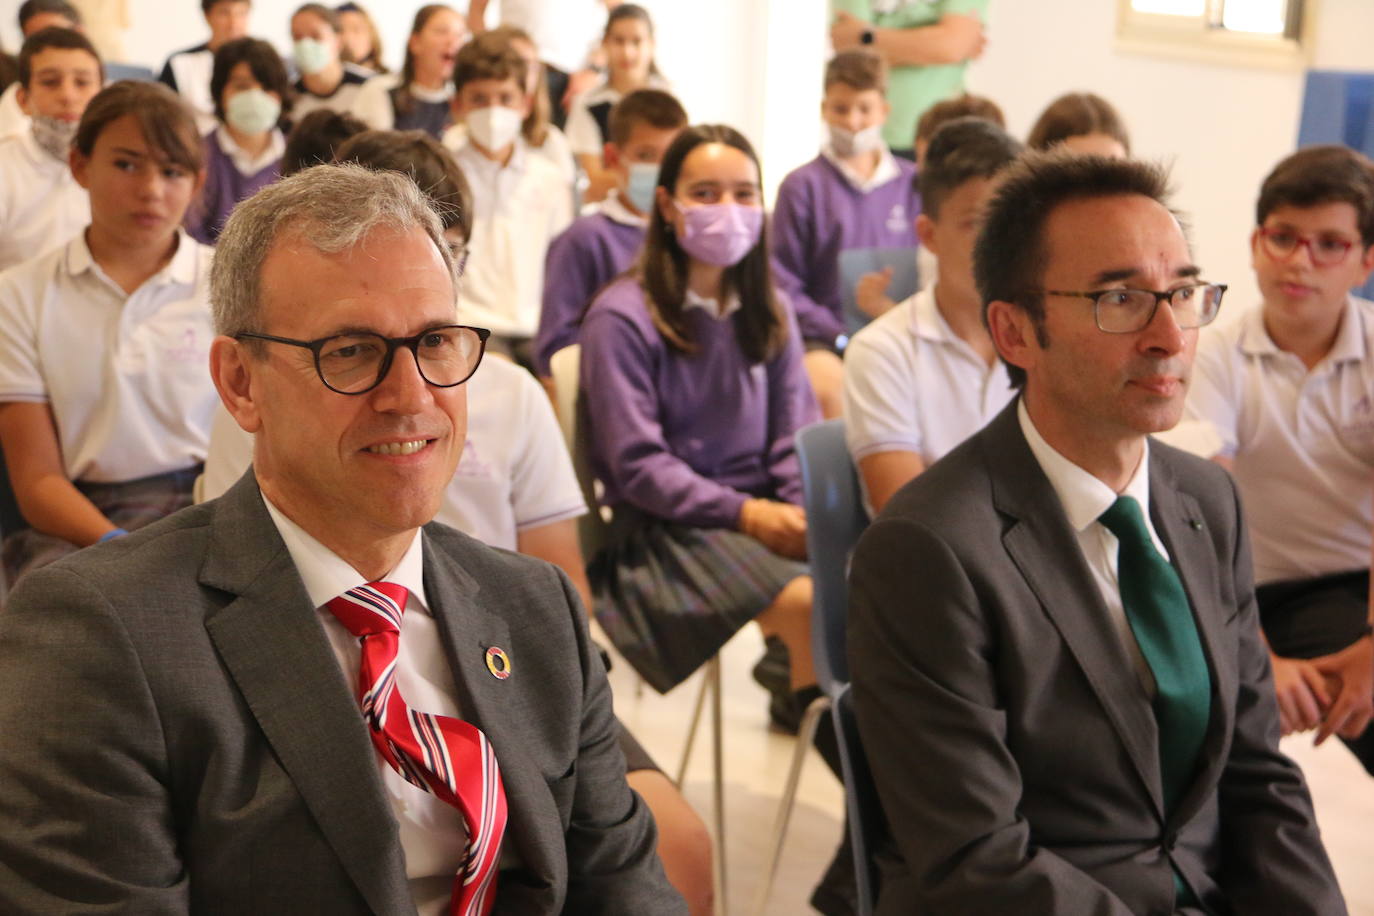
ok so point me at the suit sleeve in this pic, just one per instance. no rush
(86, 818)
(613, 865)
(1274, 861)
(931, 718)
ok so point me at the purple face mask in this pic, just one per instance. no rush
(720, 234)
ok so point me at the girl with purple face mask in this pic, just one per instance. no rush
(693, 386)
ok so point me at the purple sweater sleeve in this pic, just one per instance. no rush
(791, 405)
(569, 284)
(794, 254)
(621, 396)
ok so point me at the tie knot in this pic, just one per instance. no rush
(372, 608)
(1125, 520)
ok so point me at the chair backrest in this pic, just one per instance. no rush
(564, 366)
(835, 518)
(866, 819)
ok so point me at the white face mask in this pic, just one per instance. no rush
(311, 56)
(54, 135)
(494, 127)
(847, 143)
(252, 111)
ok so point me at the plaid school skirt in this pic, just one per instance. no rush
(669, 596)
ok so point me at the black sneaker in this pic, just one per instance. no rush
(773, 671)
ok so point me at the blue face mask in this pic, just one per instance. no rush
(641, 184)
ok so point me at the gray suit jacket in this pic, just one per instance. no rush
(1014, 749)
(178, 736)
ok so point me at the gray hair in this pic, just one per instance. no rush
(333, 207)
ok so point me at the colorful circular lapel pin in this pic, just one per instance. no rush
(498, 663)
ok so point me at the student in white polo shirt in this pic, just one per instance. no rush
(34, 16)
(922, 377)
(41, 204)
(1289, 391)
(105, 401)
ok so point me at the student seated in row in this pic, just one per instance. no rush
(243, 154)
(964, 105)
(34, 16)
(188, 72)
(362, 43)
(105, 403)
(843, 214)
(519, 199)
(603, 243)
(1082, 123)
(316, 138)
(41, 204)
(925, 376)
(326, 81)
(417, 98)
(1287, 389)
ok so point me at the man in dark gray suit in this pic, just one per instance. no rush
(1065, 700)
(180, 731)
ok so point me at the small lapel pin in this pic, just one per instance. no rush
(1195, 524)
(498, 663)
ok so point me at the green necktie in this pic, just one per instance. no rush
(1162, 621)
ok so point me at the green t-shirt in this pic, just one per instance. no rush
(912, 90)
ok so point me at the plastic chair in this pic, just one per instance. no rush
(866, 819)
(835, 518)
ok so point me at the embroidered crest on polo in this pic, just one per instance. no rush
(498, 663)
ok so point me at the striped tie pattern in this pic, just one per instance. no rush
(445, 756)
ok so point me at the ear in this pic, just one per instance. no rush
(1255, 247)
(231, 369)
(1366, 264)
(925, 231)
(21, 95)
(1013, 334)
(79, 164)
(610, 155)
(887, 109)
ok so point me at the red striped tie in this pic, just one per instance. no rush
(442, 755)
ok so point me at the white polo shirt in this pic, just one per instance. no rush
(41, 205)
(555, 149)
(517, 208)
(126, 376)
(1302, 441)
(911, 384)
(515, 473)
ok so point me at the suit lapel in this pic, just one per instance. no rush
(1180, 524)
(274, 647)
(1045, 549)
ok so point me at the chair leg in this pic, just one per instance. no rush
(718, 796)
(806, 734)
(692, 726)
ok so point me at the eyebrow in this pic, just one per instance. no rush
(125, 151)
(1125, 273)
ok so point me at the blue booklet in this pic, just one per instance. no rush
(856, 262)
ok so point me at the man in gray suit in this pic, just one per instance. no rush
(180, 731)
(1065, 700)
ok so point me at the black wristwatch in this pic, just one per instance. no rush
(866, 37)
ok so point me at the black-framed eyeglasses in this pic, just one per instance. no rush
(356, 362)
(1324, 250)
(1125, 311)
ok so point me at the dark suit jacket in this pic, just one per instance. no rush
(1014, 749)
(177, 734)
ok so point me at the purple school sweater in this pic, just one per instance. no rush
(224, 187)
(688, 437)
(582, 259)
(819, 214)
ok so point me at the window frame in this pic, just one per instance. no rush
(1197, 38)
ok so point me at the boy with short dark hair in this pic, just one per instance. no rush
(188, 72)
(1288, 390)
(520, 201)
(34, 16)
(965, 105)
(855, 197)
(602, 243)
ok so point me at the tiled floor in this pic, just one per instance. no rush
(756, 766)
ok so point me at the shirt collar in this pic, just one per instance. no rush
(885, 172)
(469, 153)
(326, 575)
(431, 95)
(250, 165)
(184, 267)
(1083, 496)
(1348, 345)
(710, 306)
(926, 320)
(616, 211)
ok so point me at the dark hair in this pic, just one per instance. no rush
(324, 13)
(54, 37)
(1009, 257)
(961, 106)
(535, 127)
(316, 139)
(653, 107)
(488, 60)
(859, 69)
(404, 101)
(1322, 175)
(1077, 114)
(31, 8)
(760, 325)
(168, 124)
(425, 161)
(207, 5)
(960, 151)
(636, 12)
(263, 61)
(9, 70)
(374, 59)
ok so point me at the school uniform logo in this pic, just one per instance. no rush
(896, 219)
(472, 463)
